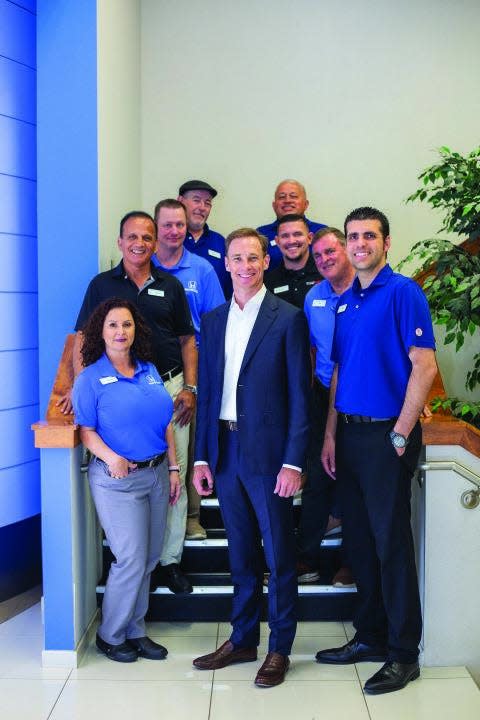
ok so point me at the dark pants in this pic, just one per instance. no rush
(375, 491)
(252, 512)
(319, 496)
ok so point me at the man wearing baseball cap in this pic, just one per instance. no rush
(197, 196)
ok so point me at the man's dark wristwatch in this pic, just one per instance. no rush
(398, 441)
(192, 388)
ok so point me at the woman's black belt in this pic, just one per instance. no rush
(153, 462)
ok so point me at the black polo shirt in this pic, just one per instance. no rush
(293, 285)
(162, 303)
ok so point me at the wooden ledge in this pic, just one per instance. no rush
(55, 434)
(448, 430)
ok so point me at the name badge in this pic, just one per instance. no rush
(108, 379)
(157, 293)
(319, 303)
(214, 253)
(342, 308)
(272, 242)
(282, 288)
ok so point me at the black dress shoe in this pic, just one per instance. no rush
(120, 653)
(354, 651)
(392, 676)
(175, 579)
(147, 648)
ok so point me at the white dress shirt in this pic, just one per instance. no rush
(239, 328)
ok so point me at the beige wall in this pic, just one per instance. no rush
(119, 113)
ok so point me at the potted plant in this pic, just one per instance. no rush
(452, 273)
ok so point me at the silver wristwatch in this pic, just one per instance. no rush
(398, 440)
(192, 388)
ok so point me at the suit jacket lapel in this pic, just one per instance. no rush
(221, 326)
(266, 316)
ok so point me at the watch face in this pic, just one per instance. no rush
(399, 441)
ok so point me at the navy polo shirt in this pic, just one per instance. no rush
(319, 307)
(200, 282)
(292, 285)
(270, 231)
(130, 414)
(161, 301)
(211, 246)
(374, 330)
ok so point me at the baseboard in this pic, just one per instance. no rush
(71, 658)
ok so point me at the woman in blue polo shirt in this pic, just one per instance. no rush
(124, 413)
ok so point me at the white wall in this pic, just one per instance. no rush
(118, 40)
(352, 98)
(349, 97)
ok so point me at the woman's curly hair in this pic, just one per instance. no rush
(93, 344)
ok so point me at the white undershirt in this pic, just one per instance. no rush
(239, 328)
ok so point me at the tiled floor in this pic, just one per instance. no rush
(172, 689)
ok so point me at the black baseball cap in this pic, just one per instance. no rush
(197, 185)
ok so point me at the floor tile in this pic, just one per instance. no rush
(349, 629)
(93, 699)
(28, 623)
(305, 667)
(426, 699)
(177, 666)
(302, 701)
(439, 673)
(28, 699)
(169, 629)
(317, 629)
(21, 657)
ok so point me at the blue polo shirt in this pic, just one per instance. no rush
(130, 414)
(270, 231)
(211, 246)
(319, 307)
(375, 328)
(200, 283)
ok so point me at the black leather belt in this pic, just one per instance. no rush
(363, 418)
(153, 462)
(229, 425)
(170, 374)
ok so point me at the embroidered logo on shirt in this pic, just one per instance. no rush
(342, 308)
(158, 293)
(319, 303)
(272, 242)
(419, 332)
(152, 380)
(108, 379)
(282, 288)
(192, 286)
(214, 253)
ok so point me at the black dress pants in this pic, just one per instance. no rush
(318, 495)
(375, 492)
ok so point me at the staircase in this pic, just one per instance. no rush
(206, 563)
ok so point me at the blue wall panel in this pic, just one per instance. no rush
(19, 330)
(17, 91)
(18, 269)
(17, 34)
(18, 150)
(16, 446)
(18, 200)
(19, 492)
(19, 382)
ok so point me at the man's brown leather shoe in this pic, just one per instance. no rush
(273, 670)
(225, 655)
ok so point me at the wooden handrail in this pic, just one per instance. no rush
(59, 430)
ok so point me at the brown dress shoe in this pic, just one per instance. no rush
(273, 670)
(225, 655)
